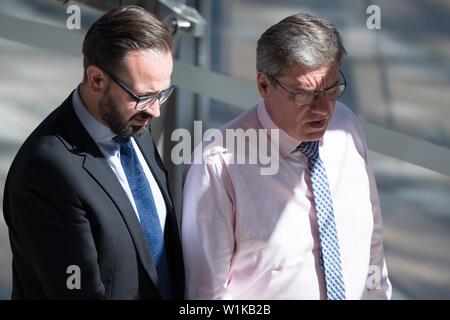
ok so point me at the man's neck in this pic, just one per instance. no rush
(89, 102)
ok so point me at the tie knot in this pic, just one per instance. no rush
(310, 149)
(122, 141)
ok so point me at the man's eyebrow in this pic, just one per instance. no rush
(148, 93)
(299, 89)
(133, 89)
(334, 83)
(151, 93)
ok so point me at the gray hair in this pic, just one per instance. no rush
(302, 38)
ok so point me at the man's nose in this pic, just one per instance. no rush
(154, 110)
(321, 103)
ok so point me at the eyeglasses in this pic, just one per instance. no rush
(307, 97)
(146, 101)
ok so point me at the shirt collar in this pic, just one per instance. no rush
(286, 143)
(98, 131)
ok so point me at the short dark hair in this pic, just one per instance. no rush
(303, 38)
(121, 31)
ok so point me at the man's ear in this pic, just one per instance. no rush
(96, 79)
(263, 84)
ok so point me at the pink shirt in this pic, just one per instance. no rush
(251, 236)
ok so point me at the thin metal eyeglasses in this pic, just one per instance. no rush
(146, 101)
(307, 97)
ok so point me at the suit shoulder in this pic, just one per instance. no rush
(46, 147)
(43, 155)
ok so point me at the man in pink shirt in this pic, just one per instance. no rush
(311, 228)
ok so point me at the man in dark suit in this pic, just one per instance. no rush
(86, 198)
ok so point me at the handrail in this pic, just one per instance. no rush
(217, 86)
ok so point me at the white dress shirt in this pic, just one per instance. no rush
(251, 236)
(103, 137)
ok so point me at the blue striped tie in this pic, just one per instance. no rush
(148, 216)
(329, 243)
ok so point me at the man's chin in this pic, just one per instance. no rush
(139, 131)
(312, 135)
(132, 131)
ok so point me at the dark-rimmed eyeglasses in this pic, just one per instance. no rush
(146, 101)
(307, 97)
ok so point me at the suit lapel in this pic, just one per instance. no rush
(100, 171)
(97, 166)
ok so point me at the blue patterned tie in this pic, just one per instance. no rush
(145, 204)
(329, 243)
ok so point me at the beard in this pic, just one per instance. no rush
(110, 113)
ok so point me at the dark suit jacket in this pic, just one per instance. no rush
(64, 206)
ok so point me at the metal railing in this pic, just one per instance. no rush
(218, 86)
